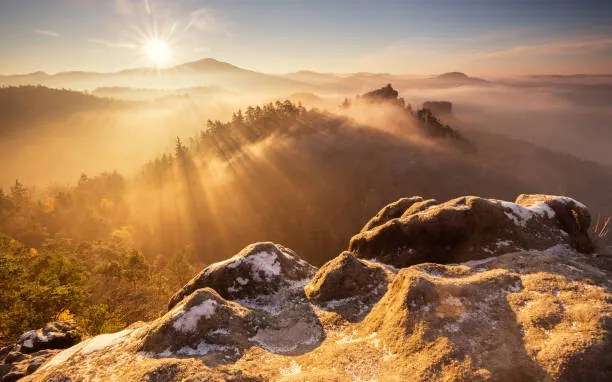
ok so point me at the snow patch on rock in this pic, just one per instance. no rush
(520, 215)
(187, 321)
(104, 341)
(261, 262)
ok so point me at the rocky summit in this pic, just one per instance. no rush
(464, 290)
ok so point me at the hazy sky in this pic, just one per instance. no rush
(404, 37)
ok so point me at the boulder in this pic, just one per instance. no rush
(348, 285)
(471, 228)
(205, 324)
(202, 323)
(35, 347)
(260, 269)
(54, 335)
(254, 298)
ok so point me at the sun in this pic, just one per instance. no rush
(157, 51)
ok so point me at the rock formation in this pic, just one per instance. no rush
(348, 285)
(260, 269)
(35, 347)
(470, 228)
(469, 289)
(386, 93)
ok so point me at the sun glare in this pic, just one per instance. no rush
(157, 52)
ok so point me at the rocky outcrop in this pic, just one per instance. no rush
(432, 127)
(348, 286)
(523, 300)
(266, 282)
(527, 316)
(397, 209)
(260, 269)
(35, 347)
(202, 323)
(471, 228)
(386, 93)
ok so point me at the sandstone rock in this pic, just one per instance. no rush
(259, 269)
(521, 316)
(202, 323)
(348, 285)
(391, 211)
(35, 347)
(386, 93)
(55, 335)
(573, 217)
(528, 316)
(470, 227)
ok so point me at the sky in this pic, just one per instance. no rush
(494, 38)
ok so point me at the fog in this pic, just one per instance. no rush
(305, 178)
(571, 117)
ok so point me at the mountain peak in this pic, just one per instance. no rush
(209, 64)
(458, 77)
(453, 76)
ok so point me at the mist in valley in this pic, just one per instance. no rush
(306, 174)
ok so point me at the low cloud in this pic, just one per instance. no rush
(46, 32)
(206, 20)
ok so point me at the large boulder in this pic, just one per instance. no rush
(348, 285)
(254, 298)
(35, 347)
(471, 228)
(260, 269)
(202, 323)
(528, 316)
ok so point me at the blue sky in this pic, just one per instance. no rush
(406, 37)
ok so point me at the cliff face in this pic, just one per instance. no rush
(469, 289)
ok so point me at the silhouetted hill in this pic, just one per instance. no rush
(210, 72)
(210, 65)
(20, 106)
(459, 78)
(205, 72)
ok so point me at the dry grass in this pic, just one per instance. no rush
(600, 234)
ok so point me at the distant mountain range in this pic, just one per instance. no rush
(210, 72)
